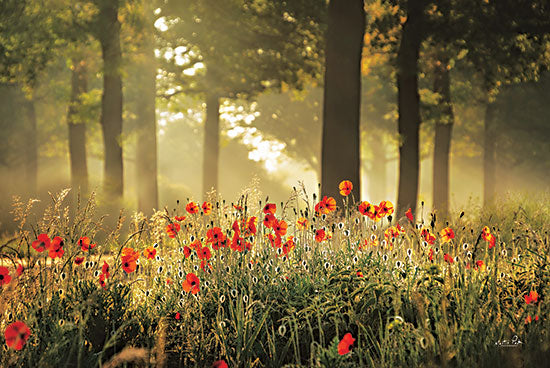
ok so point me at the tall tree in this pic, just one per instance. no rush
(443, 133)
(146, 164)
(409, 106)
(340, 153)
(108, 33)
(77, 128)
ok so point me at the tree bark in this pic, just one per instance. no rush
(31, 149)
(489, 155)
(442, 147)
(211, 144)
(409, 107)
(340, 152)
(111, 102)
(146, 165)
(77, 130)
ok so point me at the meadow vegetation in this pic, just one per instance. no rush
(308, 283)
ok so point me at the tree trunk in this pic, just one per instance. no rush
(211, 144)
(146, 165)
(340, 152)
(111, 102)
(77, 130)
(31, 149)
(409, 108)
(489, 155)
(442, 148)
(378, 179)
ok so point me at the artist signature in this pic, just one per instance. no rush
(514, 343)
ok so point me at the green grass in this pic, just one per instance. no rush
(259, 309)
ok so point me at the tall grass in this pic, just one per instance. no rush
(262, 308)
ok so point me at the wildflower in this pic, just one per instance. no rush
(129, 260)
(480, 264)
(204, 253)
(431, 255)
(172, 229)
(17, 334)
(428, 237)
(251, 225)
(320, 235)
(345, 187)
(105, 270)
(288, 245)
(180, 218)
(84, 243)
(280, 228)
(330, 204)
(447, 234)
(532, 297)
(359, 273)
(186, 251)
(191, 283)
(345, 345)
(56, 248)
(177, 316)
(301, 223)
(270, 208)
(448, 258)
(364, 208)
(269, 220)
(5, 277)
(192, 208)
(41, 243)
(102, 281)
(409, 215)
(385, 208)
(150, 253)
(488, 237)
(19, 270)
(219, 364)
(207, 208)
(391, 232)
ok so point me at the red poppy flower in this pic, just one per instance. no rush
(84, 243)
(17, 335)
(219, 364)
(129, 260)
(269, 220)
(447, 234)
(428, 237)
(204, 253)
(180, 218)
(320, 235)
(78, 260)
(251, 225)
(41, 243)
(191, 283)
(205, 264)
(532, 297)
(56, 248)
(168, 281)
(330, 204)
(105, 270)
(186, 251)
(320, 208)
(102, 281)
(5, 277)
(150, 253)
(409, 215)
(288, 245)
(448, 258)
(237, 207)
(479, 264)
(431, 254)
(275, 241)
(172, 229)
(177, 316)
(237, 243)
(192, 208)
(488, 237)
(301, 223)
(359, 273)
(385, 208)
(391, 232)
(280, 228)
(345, 187)
(345, 345)
(207, 208)
(270, 208)
(19, 270)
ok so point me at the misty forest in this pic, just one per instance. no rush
(274, 183)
